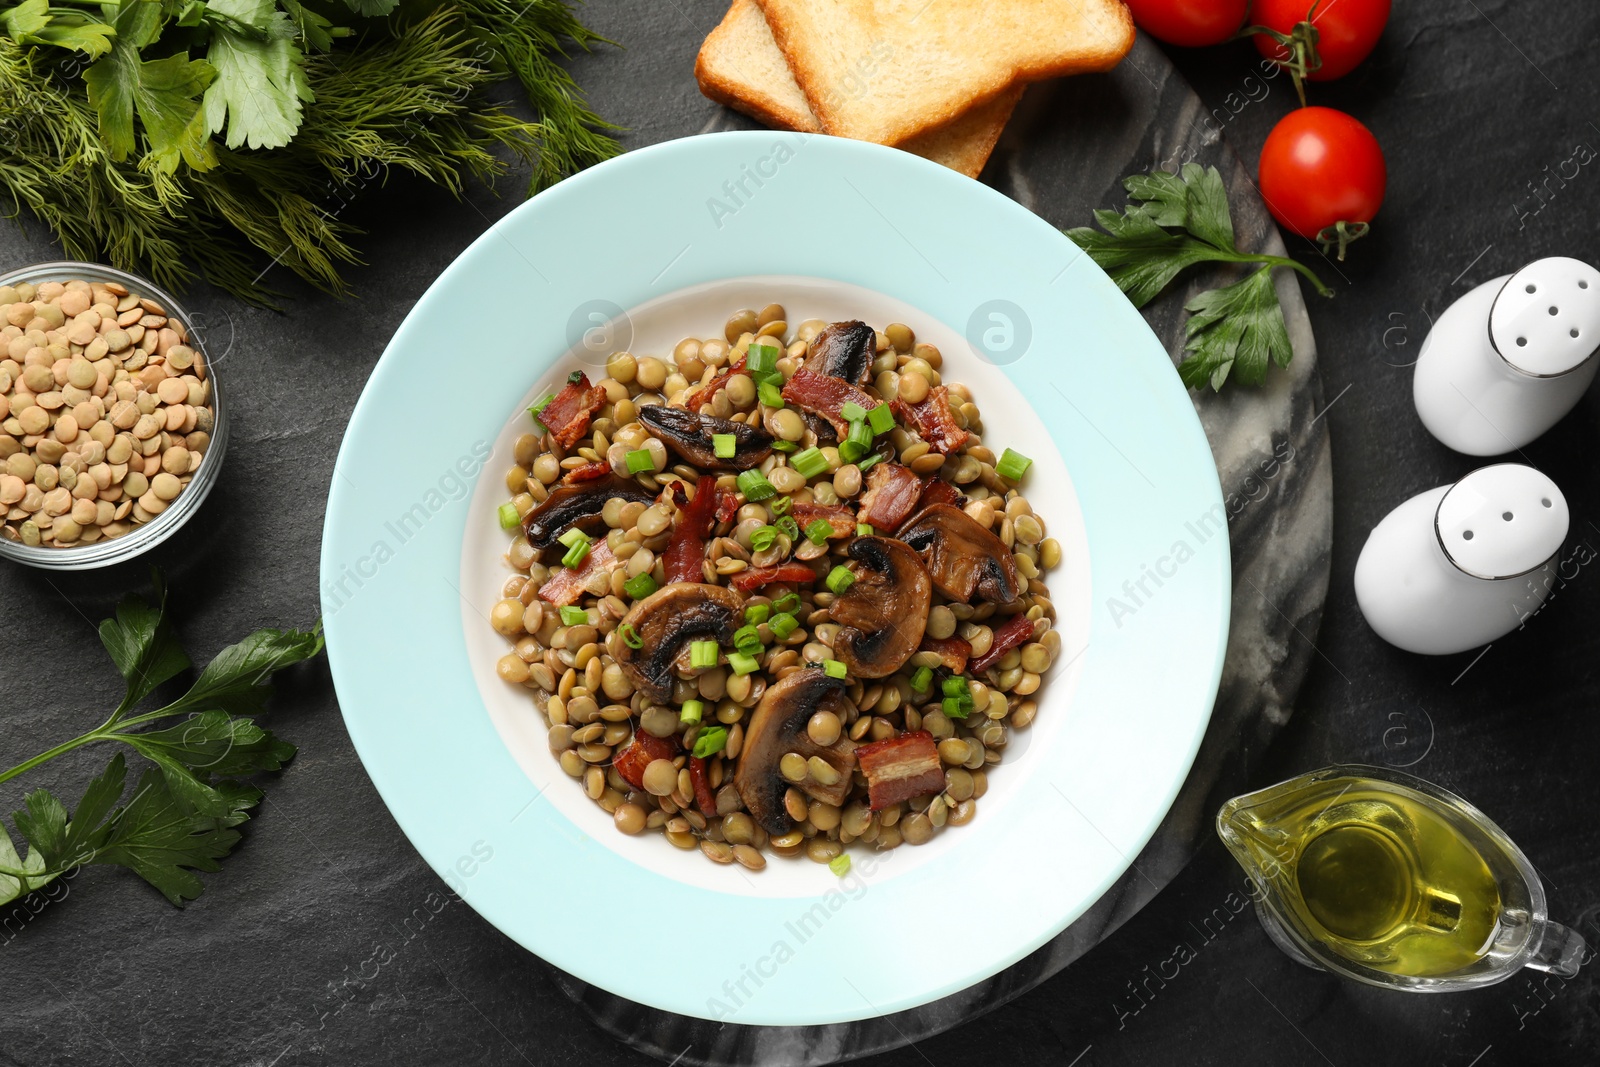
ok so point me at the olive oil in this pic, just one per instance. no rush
(1377, 876)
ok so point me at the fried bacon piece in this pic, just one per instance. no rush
(567, 415)
(939, 491)
(567, 586)
(892, 495)
(641, 751)
(953, 652)
(589, 472)
(684, 560)
(933, 420)
(899, 768)
(745, 581)
(702, 394)
(841, 518)
(825, 395)
(1017, 631)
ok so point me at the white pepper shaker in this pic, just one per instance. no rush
(1510, 358)
(1461, 565)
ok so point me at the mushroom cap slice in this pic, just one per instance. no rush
(884, 613)
(666, 621)
(843, 350)
(689, 434)
(778, 727)
(579, 505)
(962, 556)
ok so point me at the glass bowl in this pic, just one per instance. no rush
(108, 551)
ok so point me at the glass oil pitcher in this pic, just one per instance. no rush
(1382, 877)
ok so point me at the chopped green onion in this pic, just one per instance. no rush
(840, 579)
(710, 741)
(573, 536)
(703, 654)
(1012, 465)
(783, 625)
(833, 668)
(756, 614)
(956, 686)
(809, 463)
(840, 864)
(573, 616)
(691, 711)
(819, 531)
(743, 663)
(852, 412)
(761, 359)
(747, 639)
(864, 529)
(955, 707)
(861, 434)
(575, 377)
(788, 527)
(851, 451)
(754, 485)
(762, 537)
(881, 418)
(575, 555)
(788, 602)
(780, 445)
(508, 516)
(640, 460)
(770, 395)
(922, 679)
(639, 586)
(538, 409)
(630, 636)
(781, 505)
(723, 444)
(866, 463)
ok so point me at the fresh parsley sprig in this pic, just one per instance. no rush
(1176, 221)
(183, 813)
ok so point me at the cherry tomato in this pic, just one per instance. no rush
(1347, 30)
(1320, 167)
(1189, 23)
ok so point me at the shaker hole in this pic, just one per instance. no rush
(1522, 342)
(1574, 331)
(1554, 309)
(1466, 535)
(1506, 516)
(1534, 288)
(1582, 284)
(1546, 502)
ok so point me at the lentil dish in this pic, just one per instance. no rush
(774, 593)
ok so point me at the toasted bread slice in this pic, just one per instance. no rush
(740, 66)
(888, 70)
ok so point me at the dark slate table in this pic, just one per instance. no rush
(1478, 105)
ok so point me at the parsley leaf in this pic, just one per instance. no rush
(261, 78)
(34, 22)
(1175, 221)
(164, 92)
(142, 645)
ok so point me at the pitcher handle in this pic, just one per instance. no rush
(1561, 951)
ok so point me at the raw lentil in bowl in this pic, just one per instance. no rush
(773, 593)
(111, 427)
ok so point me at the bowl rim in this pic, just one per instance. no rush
(109, 551)
(447, 781)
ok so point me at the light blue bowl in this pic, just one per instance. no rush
(1062, 368)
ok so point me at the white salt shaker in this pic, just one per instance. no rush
(1461, 565)
(1506, 361)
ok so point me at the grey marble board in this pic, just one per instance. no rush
(1062, 155)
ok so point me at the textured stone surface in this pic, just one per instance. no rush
(270, 966)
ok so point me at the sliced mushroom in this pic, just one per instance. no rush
(689, 434)
(963, 558)
(665, 622)
(885, 611)
(579, 505)
(778, 727)
(843, 350)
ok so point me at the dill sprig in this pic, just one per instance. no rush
(409, 93)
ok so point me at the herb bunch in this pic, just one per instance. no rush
(185, 138)
(183, 813)
(1177, 221)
